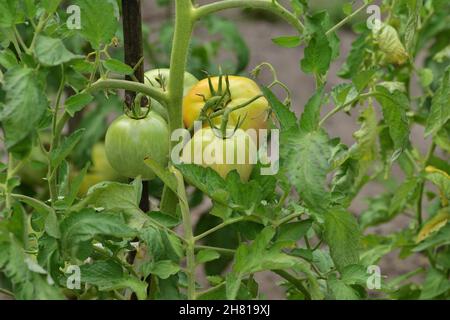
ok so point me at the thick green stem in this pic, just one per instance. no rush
(268, 5)
(184, 22)
(129, 85)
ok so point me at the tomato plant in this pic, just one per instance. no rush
(78, 222)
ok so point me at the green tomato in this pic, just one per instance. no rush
(236, 152)
(129, 141)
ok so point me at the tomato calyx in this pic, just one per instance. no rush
(217, 105)
(140, 107)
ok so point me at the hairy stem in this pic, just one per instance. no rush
(184, 23)
(269, 5)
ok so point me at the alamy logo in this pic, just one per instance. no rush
(74, 18)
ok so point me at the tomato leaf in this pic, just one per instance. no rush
(82, 226)
(440, 111)
(64, 149)
(24, 107)
(394, 106)
(309, 174)
(285, 116)
(52, 52)
(309, 120)
(117, 66)
(342, 236)
(77, 102)
(98, 22)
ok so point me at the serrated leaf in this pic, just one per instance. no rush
(309, 174)
(98, 22)
(116, 197)
(294, 231)
(65, 148)
(440, 111)
(25, 105)
(52, 51)
(84, 225)
(117, 66)
(317, 55)
(77, 102)
(162, 269)
(394, 106)
(342, 235)
(285, 116)
(310, 118)
(436, 283)
(108, 275)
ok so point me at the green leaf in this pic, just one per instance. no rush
(402, 195)
(84, 225)
(294, 231)
(285, 116)
(205, 179)
(439, 238)
(206, 255)
(10, 13)
(25, 104)
(65, 148)
(342, 235)
(116, 197)
(442, 180)
(117, 66)
(162, 269)
(310, 118)
(394, 106)
(52, 52)
(98, 21)
(436, 283)
(440, 111)
(108, 275)
(317, 55)
(77, 102)
(287, 41)
(8, 59)
(161, 244)
(342, 291)
(355, 59)
(309, 174)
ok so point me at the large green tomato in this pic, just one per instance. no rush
(208, 149)
(129, 141)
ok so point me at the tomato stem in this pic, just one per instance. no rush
(268, 5)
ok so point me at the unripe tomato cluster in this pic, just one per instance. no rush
(129, 141)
